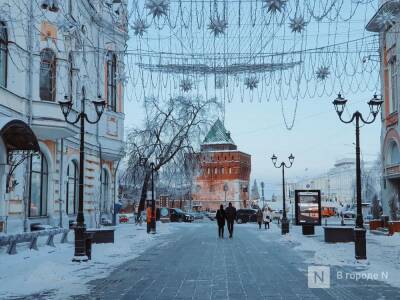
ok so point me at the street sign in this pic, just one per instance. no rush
(308, 207)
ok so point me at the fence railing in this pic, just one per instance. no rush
(11, 241)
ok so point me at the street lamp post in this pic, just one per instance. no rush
(283, 165)
(80, 228)
(262, 194)
(225, 190)
(374, 105)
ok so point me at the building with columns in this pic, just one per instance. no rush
(51, 51)
(224, 171)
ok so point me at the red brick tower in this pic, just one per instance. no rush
(223, 171)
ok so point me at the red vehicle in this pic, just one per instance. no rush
(123, 219)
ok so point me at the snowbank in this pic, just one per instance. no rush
(51, 271)
(383, 253)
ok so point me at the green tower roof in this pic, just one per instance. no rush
(218, 135)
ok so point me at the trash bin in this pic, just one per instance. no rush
(88, 245)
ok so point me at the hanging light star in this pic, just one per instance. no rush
(298, 24)
(186, 85)
(217, 25)
(274, 6)
(251, 82)
(139, 27)
(219, 82)
(323, 73)
(157, 8)
(386, 19)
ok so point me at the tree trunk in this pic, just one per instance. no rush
(143, 195)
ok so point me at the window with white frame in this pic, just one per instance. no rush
(72, 188)
(38, 183)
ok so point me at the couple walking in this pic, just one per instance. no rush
(229, 214)
(263, 217)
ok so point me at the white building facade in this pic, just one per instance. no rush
(338, 183)
(51, 51)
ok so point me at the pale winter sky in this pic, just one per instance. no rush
(318, 138)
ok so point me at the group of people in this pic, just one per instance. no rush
(264, 216)
(228, 214)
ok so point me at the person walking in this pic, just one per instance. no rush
(230, 215)
(266, 217)
(221, 221)
(259, 218)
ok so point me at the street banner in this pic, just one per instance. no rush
(308, 207)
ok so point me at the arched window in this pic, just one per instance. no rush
(72, 188)
(47, 75)
(3, 54)
(112, 81)
(394, 154)
(38, 183)
(70, 76)
(105, 186)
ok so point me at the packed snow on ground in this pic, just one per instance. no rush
(51, 269)
(383, 253)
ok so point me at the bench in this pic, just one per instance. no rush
(12, 240)
(339, 234)
(101, 235)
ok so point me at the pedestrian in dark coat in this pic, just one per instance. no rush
(221, 221)
(230, 215)
(259, 218)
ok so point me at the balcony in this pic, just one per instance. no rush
(392, 171)
(48, 121)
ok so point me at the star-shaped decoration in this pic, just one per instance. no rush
(139, 27)
(217, 25)
(274, 6)
(386, 19)
(219, 82)
(251, 82)
(186, 85)
(323, 73)
(122, 77)
(297, 24)
(157, 8)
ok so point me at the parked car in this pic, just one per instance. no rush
(123, 218)
(349, 214)
(178, 215)
(212, 215)
(245, 215)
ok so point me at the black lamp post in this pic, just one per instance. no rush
(374, 105)
(283, 165)
(144, 161)
(80, 228)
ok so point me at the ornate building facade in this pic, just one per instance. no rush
(224, 172)
(51, 51)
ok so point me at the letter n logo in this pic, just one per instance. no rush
(319, 277)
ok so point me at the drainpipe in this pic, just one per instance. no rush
(115, 189)
(60, 224)
(29, 115)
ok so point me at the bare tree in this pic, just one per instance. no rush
(171, 129)
(393, 206)
(376, 208)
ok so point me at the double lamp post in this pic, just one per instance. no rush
(80, 228)
(283, 165)
(374, 104)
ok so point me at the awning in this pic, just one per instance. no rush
(17, 135)
(386, 12)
